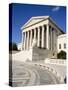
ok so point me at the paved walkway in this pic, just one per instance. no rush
(25, 74)
(61, 69)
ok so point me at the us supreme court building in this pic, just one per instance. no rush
(40, 34)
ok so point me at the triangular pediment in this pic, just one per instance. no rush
(34, 20)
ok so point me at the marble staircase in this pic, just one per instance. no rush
(33, 54)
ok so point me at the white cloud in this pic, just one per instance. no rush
(56, 9)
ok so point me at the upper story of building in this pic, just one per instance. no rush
(62, 43)
(37, 21)
(43, 30)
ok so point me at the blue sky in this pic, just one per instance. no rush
(21, 13)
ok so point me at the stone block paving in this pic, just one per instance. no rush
(28, 74)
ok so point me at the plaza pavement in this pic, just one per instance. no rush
(34, 73)
(61, 69)
(27, 74)
(58, 69)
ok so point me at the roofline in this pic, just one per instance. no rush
(47, 17)
(43, 17)
(56, 25)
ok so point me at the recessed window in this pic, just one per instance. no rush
(64, 45)
(59, 46)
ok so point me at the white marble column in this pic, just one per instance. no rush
(24, 40)
(54, 39)
(51, 38)
(34, 34)
(47, 36)
(38, 42)
(30, 38)
(42, 40)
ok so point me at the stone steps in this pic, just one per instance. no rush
(40, 54)
(33, 54)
